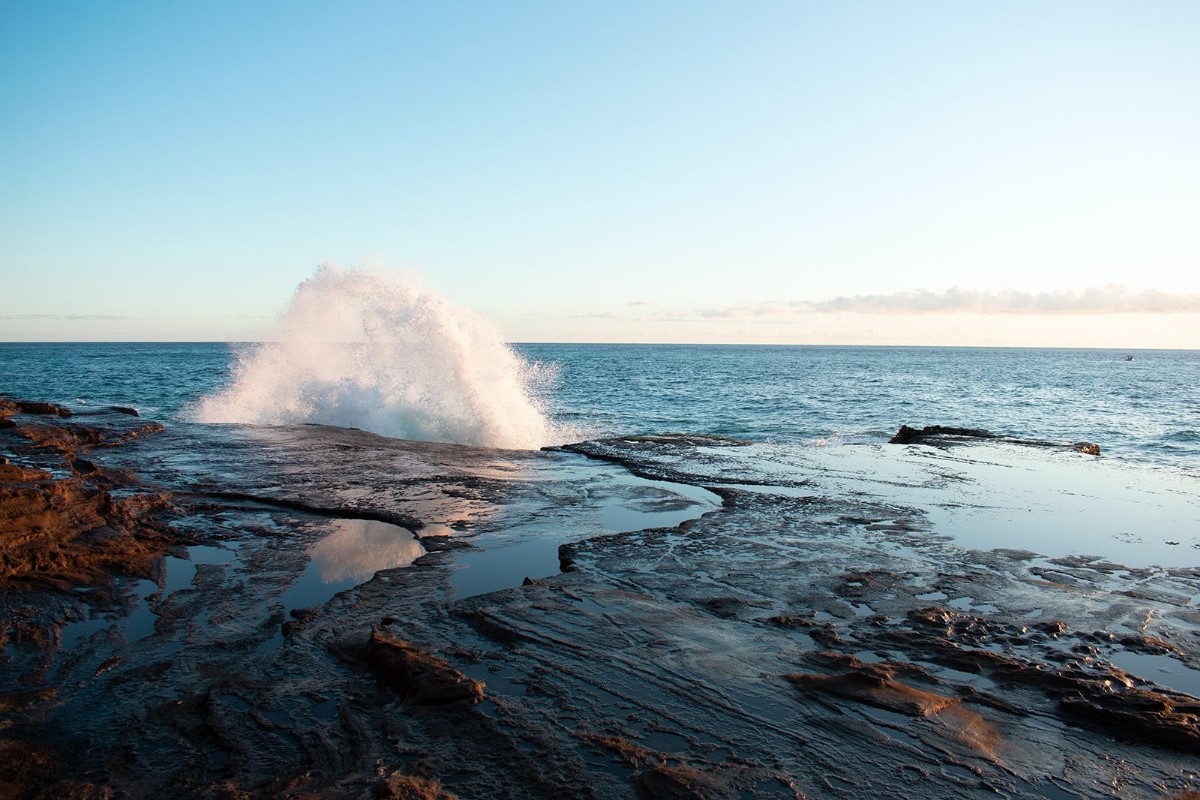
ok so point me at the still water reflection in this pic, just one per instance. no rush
(358, 548)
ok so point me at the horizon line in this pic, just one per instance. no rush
(636, 344)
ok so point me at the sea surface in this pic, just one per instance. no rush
(1141, 405)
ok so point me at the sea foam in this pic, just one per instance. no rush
(368, 349)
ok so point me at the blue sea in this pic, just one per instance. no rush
(1137, 405)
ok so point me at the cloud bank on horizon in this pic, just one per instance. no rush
(1112, 299)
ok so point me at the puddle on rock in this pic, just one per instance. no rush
(504, 566)
(610, 500)
(1166, 671)
(658, 505)
(136, 624)
(182, 571)
(352, 554)
(970, 605)
(142, 617)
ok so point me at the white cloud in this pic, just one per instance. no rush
(63, 316)
(1094, 300)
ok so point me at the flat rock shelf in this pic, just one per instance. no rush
(235, 611)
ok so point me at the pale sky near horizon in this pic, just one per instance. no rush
(1022, 173)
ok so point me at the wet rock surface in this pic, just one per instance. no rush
(819, 632)
(66, 522)
(424, 679)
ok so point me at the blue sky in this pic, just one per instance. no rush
(612, 171)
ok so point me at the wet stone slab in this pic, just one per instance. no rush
(730, 620)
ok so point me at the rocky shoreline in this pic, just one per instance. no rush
(817, 635)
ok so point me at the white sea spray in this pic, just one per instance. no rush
(368, 349)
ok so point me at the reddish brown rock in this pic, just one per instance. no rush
(63, 532)
(875, 685)
(72, 438)
(879, 685)
(399, 786)
(424, 678)
(680, 783)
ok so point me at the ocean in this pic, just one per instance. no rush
(1138, 405)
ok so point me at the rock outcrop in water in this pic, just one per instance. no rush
(907, 435)
(945, 435)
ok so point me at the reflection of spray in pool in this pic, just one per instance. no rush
(368, 350)
(348, 557)
(358, 548)
(352, 554)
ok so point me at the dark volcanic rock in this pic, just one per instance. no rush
(31, 771)
(51, 409)
(945, 435)
(907, 435)
(653, 668)
(1138, 715)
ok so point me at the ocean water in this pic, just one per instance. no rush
(1146, 409)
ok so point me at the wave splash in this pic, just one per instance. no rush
(367, 349)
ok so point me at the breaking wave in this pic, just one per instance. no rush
(367, 349)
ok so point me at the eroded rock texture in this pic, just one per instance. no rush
(806, 630)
